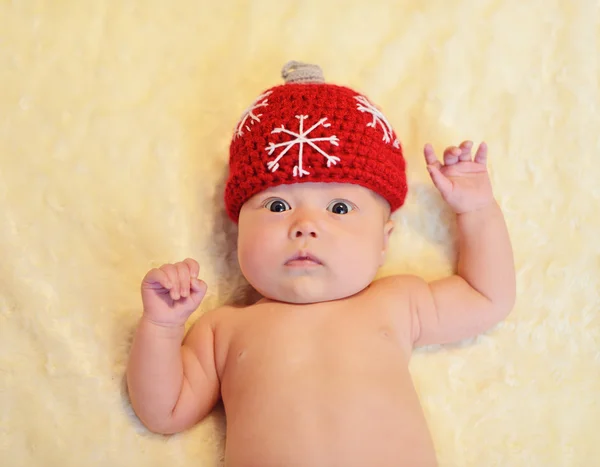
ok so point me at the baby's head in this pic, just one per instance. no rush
(315, 172)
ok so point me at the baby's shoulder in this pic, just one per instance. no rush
(216, 317)
(225, 319)
(215, 327)
(398, 286)
(399, 294)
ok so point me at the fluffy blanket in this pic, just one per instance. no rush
(115, 122)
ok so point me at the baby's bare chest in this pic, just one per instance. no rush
(333, 379)
(271, 341)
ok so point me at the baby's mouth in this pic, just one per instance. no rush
(303, 259)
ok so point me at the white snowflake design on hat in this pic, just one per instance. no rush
(249, 114)
(364, 105)
(301, 138)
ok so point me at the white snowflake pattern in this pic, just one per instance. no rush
(378, 118)
(301, 138)
(249, 114)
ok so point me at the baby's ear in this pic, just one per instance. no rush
(388, 228)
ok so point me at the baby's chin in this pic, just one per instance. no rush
(304, 294)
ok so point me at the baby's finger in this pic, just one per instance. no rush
(198, 292)
(430, 156)
(481, 154)
(157, 277)
(465, 154)
(183, 272)
(171, 271)
(198, 289)
(193, 265)
(197, 284)
(451, 155)
(439, 180)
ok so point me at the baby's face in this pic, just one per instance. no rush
(343, 228)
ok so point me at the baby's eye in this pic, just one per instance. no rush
(340, 207)
(277, 205)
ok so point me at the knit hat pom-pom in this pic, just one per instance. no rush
(299, 72)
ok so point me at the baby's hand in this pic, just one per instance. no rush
(463, 183)
(171, 293)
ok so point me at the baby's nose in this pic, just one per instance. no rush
(308, 232)
(304, 228)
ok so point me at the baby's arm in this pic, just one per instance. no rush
(172, 382)
(482, 292)
(172, 386)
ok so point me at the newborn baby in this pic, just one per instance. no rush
(316, 372)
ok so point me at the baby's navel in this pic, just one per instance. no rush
(241, 354)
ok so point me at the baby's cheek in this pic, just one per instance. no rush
(255, 258)
(252, 270)
(364, 263)
(247, 257)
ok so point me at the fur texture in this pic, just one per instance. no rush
(114, 131)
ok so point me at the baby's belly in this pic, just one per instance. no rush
(329, 409)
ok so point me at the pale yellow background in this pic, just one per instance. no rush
(115, 120)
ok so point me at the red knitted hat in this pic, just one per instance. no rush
(309, 131)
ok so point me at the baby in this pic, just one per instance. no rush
(316, 372)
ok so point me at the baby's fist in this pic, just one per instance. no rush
(171, 293)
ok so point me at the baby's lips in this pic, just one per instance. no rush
(304, 255)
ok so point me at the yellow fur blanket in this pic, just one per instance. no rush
(115, 120)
